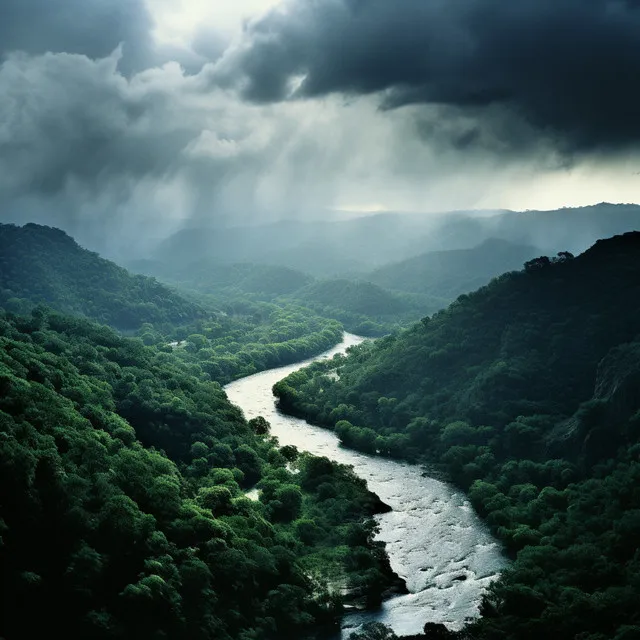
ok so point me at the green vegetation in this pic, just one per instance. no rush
(135, 501)
(362, 307)
(123, 513)
(447, 274)
(44, 265)
(228, 281)
(248, 337)
(526, 393)
(231, 334)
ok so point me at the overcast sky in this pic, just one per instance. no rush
(126, 119)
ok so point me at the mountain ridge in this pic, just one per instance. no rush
(44, 265)
(525, 393)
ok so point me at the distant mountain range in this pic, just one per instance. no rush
(353, 248)
(373, 274)
(447, 274)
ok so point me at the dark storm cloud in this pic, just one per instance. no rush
(569, 68)
(68, 117)
(120, 149)
(90, 27)
(119, 161)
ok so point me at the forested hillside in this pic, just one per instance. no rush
(247, 337)
(526, 393)
(447, 274)
(232, 333)
(261, 280)
(124, 470)
(123, 513)
(364, 308)
(44, 265)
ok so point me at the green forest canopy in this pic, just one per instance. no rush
(447, 274)
(123, 468)
(123, 472)
(231, 334)
(526, 393)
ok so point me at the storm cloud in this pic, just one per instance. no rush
(568, 69)
(108, 157)
(94, 28)
(317, 105)
(85, 147)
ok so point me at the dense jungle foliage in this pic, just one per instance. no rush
(527, 393)
(365, 308)
(124, 510)
(261, 281)
(135, 501)
(247, 337)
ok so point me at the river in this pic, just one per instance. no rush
(434, 539)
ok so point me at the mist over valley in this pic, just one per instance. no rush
(319, 320)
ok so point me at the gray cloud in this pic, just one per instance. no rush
(90, 27)
(119, 160)
(106, 156)
(567, 68)
(68, 118)
(120, 149)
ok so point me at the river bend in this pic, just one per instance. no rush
(434, 539)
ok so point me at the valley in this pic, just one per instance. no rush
(431, 476)
(319, 320)
(432, 537)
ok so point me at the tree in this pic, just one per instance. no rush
(286, 503)
(196, 341)
(374, 631)
(537, 264)
(248, 461)
(259, 425)
(217, 499)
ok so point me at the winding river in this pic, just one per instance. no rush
(434, 540)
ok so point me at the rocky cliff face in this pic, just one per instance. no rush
(618, 381)
(611, 417)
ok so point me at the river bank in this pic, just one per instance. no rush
(434, 540)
